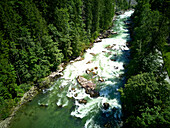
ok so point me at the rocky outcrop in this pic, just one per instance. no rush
(88, 85)
(85, 83)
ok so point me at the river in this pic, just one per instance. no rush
(107, 60)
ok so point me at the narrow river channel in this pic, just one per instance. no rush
(63, 109)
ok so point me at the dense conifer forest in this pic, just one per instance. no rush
(146, 96)
(37, 35)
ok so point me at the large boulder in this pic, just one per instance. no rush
(86, 83)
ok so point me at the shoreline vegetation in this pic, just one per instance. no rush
(31, 91)
(36, 37)
(47, 81)
(146, 94)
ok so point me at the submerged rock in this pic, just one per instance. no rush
(108, 125)
(124, 65)
(113, 59)
(106, 105)
(75, 95)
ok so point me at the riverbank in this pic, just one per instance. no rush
(28, 96)
(48, 80)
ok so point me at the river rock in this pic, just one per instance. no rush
(113, 59)
(121, 75)
(94, 73)
(113, 33)
(88, 71)
(98, 40)
(116, 67)
(75, 95)
(119, 13)
(73, 89)
(101, 79)
(89, 62)
(93, 93)
(82, 101)
(101, 37)
(109, 47)
(89, 86)
(105, 36)
(115, 55)
(55, 74)
(106, 105)
(110, 53)
(93, 54)
(96, 68)
(78, 58)
(85, 83)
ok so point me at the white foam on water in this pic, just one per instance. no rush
(98, 56)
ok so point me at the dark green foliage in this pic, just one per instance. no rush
(146, 94)
(122, 5)
(146, 100)
(37, 35)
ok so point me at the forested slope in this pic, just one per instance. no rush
(37, 35)
(146, 95)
